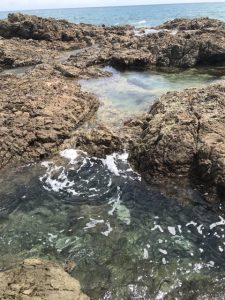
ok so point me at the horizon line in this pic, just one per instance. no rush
(110, 6)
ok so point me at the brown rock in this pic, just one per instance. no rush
(185, 137)
(99, 141)
(54, 108)
(41, 280)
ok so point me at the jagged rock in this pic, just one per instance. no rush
(184, 136)
(39, 280)
(99, 141)
(38, 112)
(192, 24)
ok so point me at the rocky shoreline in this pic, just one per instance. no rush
(181, 137)
(41, 108)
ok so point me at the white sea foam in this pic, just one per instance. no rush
(109, 229)
(145, 255)
(93, 223)
(142, 22)
(163, 251)
(70, 154)
(157, 227)
(199, 228)
(172, 230)
(115, 202)
(191, 223)
(109, 162)
(221, 222)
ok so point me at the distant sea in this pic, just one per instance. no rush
(147, 15)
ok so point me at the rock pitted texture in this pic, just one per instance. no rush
(17, 53)
(49, 29)
(32, 27)
(179, 43)
(99, 141)
(184, 136)
(39, 280)
(193, 24)
(38, 111)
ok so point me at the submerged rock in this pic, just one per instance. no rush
(41, 280)
(184, 136)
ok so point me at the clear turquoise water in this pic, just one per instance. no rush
(128, 93)
(150, 15)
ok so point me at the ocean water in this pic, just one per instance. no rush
(129, 241)
(150, 15)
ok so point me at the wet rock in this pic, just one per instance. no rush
(39, 279)
(184, 136)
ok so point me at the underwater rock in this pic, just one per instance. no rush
(184, 136)
(39, 279)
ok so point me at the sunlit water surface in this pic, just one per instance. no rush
(128, 93)
(128, 240)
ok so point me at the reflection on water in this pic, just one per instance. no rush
(17, 71)
(127, 93)
(127, 239)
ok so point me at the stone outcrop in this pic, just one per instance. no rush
(179, 43)
(49, 29)
(184, 136)
(17, 53)
(41, 108)
(193, 24)
(39, 280)
(98, 142)
(38, 111)
(32, 27)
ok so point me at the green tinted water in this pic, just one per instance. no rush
(127, 93)
(127, 239)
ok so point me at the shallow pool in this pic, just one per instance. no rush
(127, 93)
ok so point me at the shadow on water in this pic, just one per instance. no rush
(128, 240)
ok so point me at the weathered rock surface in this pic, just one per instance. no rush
(17, 53)
(167, 48)
(193, 24)
(179, 43)
(184, 136)
(49, 29)
(99, 141)
(38, 111)
(39, 280)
